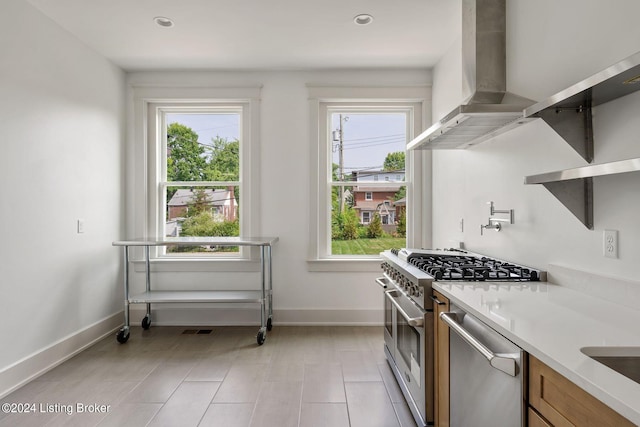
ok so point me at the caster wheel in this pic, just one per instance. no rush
(269, 325)
(146, 323)
(122, 337)
(261, 337)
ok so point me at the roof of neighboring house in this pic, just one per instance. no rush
(401, 202)
(370, 205)
(186, 196)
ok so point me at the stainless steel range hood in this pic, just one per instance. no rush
(489, 109)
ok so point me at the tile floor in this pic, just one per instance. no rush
(301, 376)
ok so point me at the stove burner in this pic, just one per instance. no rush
(464, 267)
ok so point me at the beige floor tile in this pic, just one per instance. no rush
(212, 367)
(242, 383)
(130, 415)
(323, 384)
(228, 415)
(324, 415)
(187, 405)
(285, 372)
(369, 405)
(161, 383)
(278, 405)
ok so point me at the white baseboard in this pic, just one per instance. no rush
(32, 366)
(203, 316)
(317, 317)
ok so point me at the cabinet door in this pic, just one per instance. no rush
(565, 404)
(535, 420)
(441, 335)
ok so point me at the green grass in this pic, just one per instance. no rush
(366, 246)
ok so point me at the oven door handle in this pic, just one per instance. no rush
(507, 365)
(380, 281)
(416, 322)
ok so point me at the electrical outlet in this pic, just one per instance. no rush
(80, 226)
(610, 243)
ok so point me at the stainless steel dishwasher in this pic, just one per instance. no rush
(486, 375)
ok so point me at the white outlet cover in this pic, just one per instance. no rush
(610, 243)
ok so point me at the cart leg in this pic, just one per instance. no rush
(146, 322)
(270, 292)
(123, 333)
(262, 333)
(262, 336)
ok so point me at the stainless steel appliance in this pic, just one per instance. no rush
(483, 394)
(408, 312)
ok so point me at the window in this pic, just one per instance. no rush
(367, 148)
(353, 137)
(361, 152)
(200, 176)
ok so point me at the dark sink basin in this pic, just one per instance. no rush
(624, 360)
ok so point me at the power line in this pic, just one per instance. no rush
(395, 135)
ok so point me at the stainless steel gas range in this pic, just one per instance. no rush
(408, 312)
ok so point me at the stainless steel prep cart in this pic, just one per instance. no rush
(264, 296)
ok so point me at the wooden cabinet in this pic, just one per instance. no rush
(441, 336)
(557, 402)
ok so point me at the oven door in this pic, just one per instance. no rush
(389, 320)
(413, 354)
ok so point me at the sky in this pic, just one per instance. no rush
(208, 126)
(367, 138)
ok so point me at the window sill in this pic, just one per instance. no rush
(198, 265)
(344, 265)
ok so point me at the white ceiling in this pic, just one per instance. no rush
(261, 34)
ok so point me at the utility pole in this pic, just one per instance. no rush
(340, 141)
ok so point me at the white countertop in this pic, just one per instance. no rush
(552, 323)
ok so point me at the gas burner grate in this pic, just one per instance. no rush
(465, 267)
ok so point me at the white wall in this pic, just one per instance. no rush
(300, 296)
(550, 46)
(62, 115)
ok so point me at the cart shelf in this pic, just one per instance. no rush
(197, 296)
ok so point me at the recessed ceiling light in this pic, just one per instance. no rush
(363, 19)
(163, 22)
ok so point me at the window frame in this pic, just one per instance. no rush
(159, 138)
(412, 100)
(148, 195)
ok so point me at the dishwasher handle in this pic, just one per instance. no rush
(507, 365)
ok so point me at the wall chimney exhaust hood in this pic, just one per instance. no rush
(490, 109)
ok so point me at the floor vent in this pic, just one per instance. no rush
(197, 331)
